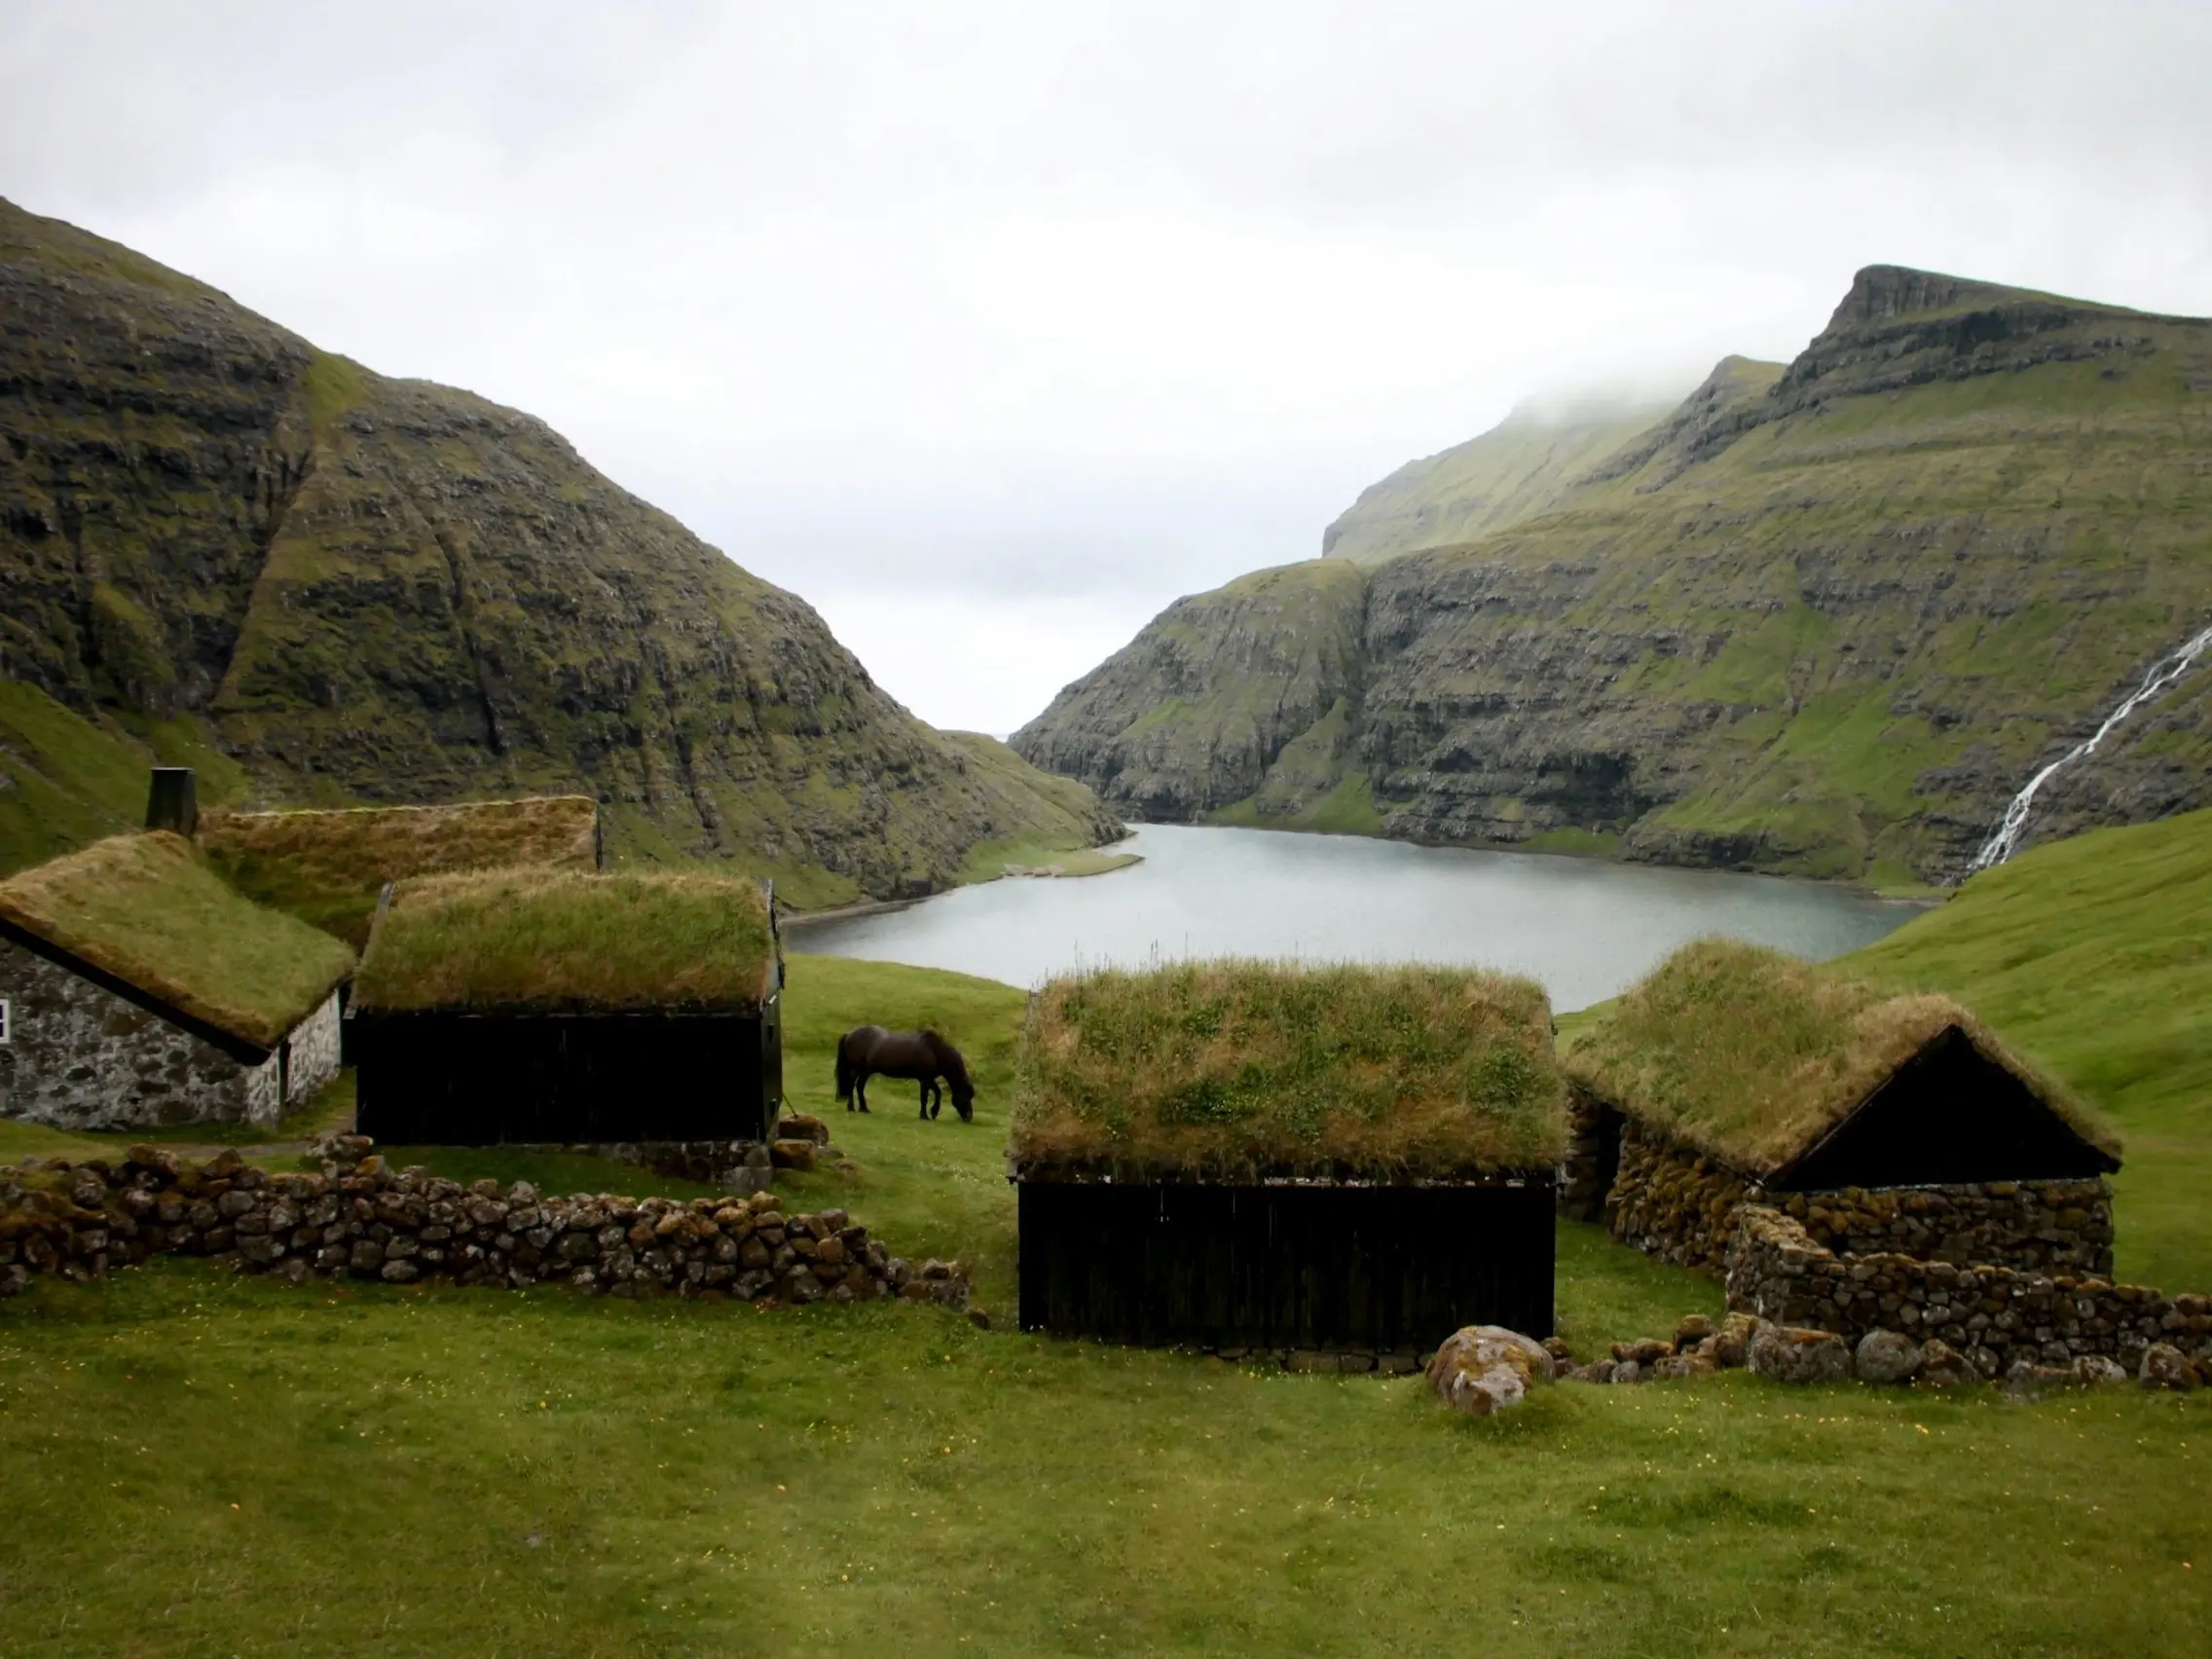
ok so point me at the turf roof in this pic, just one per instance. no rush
(148, 909)
(329, 866)
(1752, 1056)
(544, 940)
(1237, 1070)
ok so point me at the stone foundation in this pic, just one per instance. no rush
(358, 1218)
(1996, 1317)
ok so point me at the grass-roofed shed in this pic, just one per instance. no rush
(1734, 1070)
(137, 988)
(329, 866)
(553, 1006)
(1249, 1155)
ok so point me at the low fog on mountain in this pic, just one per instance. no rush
(990, 329)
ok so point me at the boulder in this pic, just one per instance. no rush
(1642, 1351)
(1790, 1353)
(1483, 1369)
(2028, 1380)
(2097, 1372)
(1690, 1330)
(801, 1126)
(1731, 1343)
(2165, 1366)
(1887, 1356)
(793, 1154)
(1943, 1366)
(1679, 1366)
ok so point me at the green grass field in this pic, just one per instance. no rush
(2094, 955)
(198, 1465)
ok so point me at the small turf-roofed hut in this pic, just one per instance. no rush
(544, 1006)
(1244, 1155)
(137, 988)
(1887, 1121)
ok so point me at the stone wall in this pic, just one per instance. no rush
(311, 1051)
(1680, 1207)
(82, 1058)
(359, 1218)
(1593, 1129)
(1672, 1202)
(2034, 1226)
(1996, 1317)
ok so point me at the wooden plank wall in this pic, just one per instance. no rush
(479, 1080)
(1387, 1268)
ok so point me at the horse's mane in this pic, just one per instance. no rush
(947, 1056)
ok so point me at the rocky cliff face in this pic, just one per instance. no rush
(1826, 621)
(367, 589)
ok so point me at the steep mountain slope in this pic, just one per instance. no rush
(1526, 464)
(370, 589)
(1826, 621)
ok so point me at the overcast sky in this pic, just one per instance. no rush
(990, 328)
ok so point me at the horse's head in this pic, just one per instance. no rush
(963, 1099)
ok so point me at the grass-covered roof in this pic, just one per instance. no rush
(148, 909)
(546, 941)
(1235, 1070)
(329, 866)
(1752, 1056)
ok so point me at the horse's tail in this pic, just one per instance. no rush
(844, 1074)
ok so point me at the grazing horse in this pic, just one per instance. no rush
(869, 1051)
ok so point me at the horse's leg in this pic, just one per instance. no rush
(925, 1087)
(859, 1089)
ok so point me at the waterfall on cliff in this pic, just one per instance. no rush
(2167, 670)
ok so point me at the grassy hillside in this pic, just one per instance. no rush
(373, 590)
(1529, 464)
(1826, 621)
(2096, 955)
(189, 1454)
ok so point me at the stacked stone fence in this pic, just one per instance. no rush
(1996, 1317)
(1683, 1207)
(361, 1219)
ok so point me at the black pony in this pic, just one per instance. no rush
(869, 1051)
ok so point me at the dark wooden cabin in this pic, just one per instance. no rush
(1187, 1174)
(556, 1008)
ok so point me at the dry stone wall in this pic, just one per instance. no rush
(358, 1218)
(1683, 1208)
(1672, 1202)
(1999, 1318)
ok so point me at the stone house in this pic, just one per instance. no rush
(546, 1006)
(1883, 1122)
(138, 989)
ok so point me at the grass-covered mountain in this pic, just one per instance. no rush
(1528, 464)
(220, 545)
(1824, 617)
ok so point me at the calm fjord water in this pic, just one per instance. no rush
(1584, 927)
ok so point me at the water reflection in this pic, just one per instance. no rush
(1584, 927)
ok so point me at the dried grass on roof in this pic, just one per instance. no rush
(1235, 1070)
(328, 867)
(148, 909)
(551, 940)
(1752, 1056)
